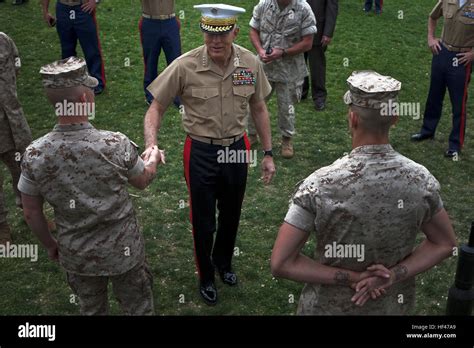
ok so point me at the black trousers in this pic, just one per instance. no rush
(317, 67)
(212, 183)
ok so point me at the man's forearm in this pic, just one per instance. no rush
(425, 256)
(45, 6)
(431, 27)
(255, 39)
(262, 125)
(152, 123)
(306, 270)
(39, 226)
(142, 181)
(300, 47)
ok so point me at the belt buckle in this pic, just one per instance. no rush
(227, 142)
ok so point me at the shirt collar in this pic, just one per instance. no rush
(72, 127)
(372, 149)
(288, 8)
(236, 61)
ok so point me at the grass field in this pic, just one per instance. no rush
(387, 44)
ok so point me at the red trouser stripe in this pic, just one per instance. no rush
(464, 101)
(186, 160)
(102, 70)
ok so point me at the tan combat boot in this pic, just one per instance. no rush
(253, 139)
(286, 148)
(5, 233)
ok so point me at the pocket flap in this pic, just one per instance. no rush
(244, 91)
(205, 92)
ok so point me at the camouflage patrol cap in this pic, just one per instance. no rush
(369, 89)
(65, 73)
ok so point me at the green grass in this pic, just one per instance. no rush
(392, 46)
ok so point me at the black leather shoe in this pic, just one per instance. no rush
(228, 277)
(319, 105)
(421, 137)
(98, 91)
(451, 153)
(208, 292)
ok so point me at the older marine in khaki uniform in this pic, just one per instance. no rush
(15, 134)
(451, 69)
(365, 210)
(83, 172)
(217, 82)
(281, 31)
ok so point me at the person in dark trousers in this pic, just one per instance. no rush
(76, 20)
(451, 68)
(217, 82)
(378, 6)
(159, 29)
(326, 16)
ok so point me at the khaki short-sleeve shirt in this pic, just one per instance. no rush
(458, 29)
(215, 102)
(158, 7)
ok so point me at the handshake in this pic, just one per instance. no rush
(153, 156)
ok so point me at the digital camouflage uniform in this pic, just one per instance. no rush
(373, 197)
(15, 134)
(83, 174)
(283, 29)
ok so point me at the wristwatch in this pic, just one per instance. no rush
(284, 53)
(268, 153)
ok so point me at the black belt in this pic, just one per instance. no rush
(71, 2)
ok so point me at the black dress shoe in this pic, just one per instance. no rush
(98, 91)
(228, 277)
(451, 153)
(421, 137)
(208, 292)
(320, 105)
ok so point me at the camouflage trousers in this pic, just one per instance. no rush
(14, 167)
(287, 95)
(133, 291)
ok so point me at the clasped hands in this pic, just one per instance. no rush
(372, 284)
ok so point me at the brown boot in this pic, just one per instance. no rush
(253, 139)
(286, 148)
(5, 233)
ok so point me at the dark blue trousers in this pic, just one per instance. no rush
(446, 74)
(368, 5)
(157, 34)
(74, 24)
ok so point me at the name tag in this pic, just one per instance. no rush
(244, 77)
